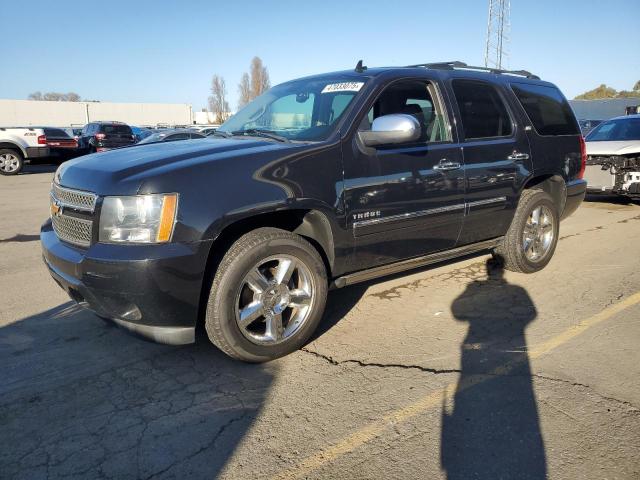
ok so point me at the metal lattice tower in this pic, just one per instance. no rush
(498, 29)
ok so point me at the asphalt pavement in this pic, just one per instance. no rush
(462, 371)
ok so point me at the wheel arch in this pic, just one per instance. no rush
(554, 185)
(310, 223)
(14, 146)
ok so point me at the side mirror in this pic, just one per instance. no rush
(391, 129)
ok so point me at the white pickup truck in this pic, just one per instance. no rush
(20, 144)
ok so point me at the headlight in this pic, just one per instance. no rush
(138, 219)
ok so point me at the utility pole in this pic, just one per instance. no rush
(498, 28)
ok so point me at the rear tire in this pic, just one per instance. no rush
(267, 297)
(533, 235)
(11, 162)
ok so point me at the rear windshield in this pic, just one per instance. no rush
(55, 133)
(547, 109)
(115, 129)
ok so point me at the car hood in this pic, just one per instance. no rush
(613, 148)
(123, 171)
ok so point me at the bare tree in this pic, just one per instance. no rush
(254, 83)
(35, 96)
(259, 78)
(73, 97)
(244, 89)
(218, 99)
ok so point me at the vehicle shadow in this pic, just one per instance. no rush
(493, 429)
(340, 301)
(36, 168)
(80, 397)
(604, 198)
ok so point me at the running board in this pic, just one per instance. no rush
(412, 263)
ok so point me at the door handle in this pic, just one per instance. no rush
(445, 165)
(518, 156)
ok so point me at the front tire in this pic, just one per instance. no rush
(533, 235)
(11, 162)
(267, 297)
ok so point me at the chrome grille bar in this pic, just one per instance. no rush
(76, 199)
(77, 231)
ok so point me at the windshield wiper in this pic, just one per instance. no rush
(261, 133)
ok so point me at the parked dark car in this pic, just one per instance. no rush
(61, 146)
(171, 136)
(321, 182)
(102, 136)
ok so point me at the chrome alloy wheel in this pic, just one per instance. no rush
(537, 236)
(9, 163)
(274, 300)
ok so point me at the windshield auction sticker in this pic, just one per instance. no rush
(343, 87)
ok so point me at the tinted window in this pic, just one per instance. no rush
(547, 109)
(197, 135)
(482, 111)
(618, 130)
(115, 129)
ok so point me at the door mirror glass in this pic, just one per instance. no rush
(391, 129)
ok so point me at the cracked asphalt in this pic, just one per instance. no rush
(459, 372)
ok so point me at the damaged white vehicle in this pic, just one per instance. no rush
(613, 157)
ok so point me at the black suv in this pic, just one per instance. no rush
(101, 136)
(322, 182)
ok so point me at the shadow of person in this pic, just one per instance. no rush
(83, 398)
(493, 431)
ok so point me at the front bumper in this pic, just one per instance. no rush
(153, 290)
(576, 191)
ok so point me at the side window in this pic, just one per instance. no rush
(482, 112)
(547, 109)
(339, 102)
(418, 99)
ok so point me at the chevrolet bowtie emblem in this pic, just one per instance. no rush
(56, 209)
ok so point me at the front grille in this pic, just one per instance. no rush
(71, 215)
(85, 201)
(77, 231)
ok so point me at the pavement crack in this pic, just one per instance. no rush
(360, 363)
(589, 387)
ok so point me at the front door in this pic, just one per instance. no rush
(405, 200)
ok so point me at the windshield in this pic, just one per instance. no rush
(304, 110)
(616, 130)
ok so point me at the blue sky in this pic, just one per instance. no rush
(145, 51)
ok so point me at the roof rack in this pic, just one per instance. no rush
(463, 66)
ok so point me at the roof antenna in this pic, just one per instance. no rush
(359, 67)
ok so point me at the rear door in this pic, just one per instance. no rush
(496, 157)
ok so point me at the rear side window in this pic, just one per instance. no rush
(547, 109)
(116, 129)
(482, 111)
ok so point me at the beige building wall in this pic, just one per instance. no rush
(64, 114)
